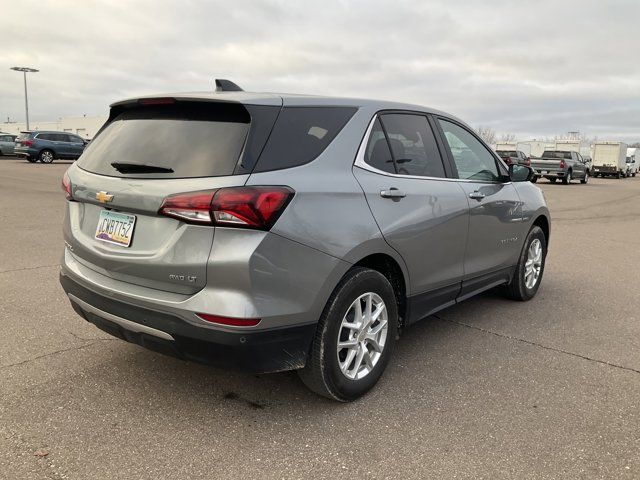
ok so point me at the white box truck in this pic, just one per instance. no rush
(633, 161)
(534, 148)
(610, 159)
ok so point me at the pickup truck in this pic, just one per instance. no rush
(514, 156)
(561, 164)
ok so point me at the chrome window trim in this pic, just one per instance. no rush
(360, 162)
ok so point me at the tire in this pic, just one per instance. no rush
(322, 372)
(32, 159)
(585, 179)
(553, 179)
(633, 174)
(566, 180)
(619, 175)
(534, 179)
(519, 288)
(46, 156)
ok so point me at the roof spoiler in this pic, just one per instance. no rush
(226, 86)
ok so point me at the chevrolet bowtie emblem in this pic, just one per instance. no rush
(103, 197)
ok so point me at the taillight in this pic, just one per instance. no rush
(66, 186)
(236, 322)
(244, 207)
(562, 164)
(191, 207)
(27, 143)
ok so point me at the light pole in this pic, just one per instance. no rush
(24, 71)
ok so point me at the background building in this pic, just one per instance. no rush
(84, 126)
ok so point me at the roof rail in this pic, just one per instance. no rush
(223, 85)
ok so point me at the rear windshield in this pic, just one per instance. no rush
(551, 154)
(24, 136)
(175, 141)
(507, 153)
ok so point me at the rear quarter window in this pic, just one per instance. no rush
(301, 134)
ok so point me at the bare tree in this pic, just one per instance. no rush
(487, 134)
(508, 137)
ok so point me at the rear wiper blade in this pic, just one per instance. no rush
(124, 167)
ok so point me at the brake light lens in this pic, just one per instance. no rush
(66, 186)
(244, 207)
(191, 207)
(236, 322)
(157, 101)
(562, 164)
(27, 143)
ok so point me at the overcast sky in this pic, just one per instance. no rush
(531, 68)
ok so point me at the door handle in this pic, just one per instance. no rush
(476, 195)
(392, 193)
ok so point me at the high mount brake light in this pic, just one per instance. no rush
(157, 101)
(244, 207)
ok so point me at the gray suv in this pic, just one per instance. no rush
(276, 232)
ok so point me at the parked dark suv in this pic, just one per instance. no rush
(48, 146)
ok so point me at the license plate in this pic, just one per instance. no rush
(116, 228)
(544, 172)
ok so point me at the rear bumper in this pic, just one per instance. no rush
(606, 170)
(257, 352)
(25, 152)
(550, 173)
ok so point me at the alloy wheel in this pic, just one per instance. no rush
(362, 336)
(533, 265)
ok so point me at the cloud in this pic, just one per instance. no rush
(534, 69)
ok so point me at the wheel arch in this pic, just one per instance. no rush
(391, 269)
(543, 222)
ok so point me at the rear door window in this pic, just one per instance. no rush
(378, 154)
(413, 145)
(301, 134)
(177, 141)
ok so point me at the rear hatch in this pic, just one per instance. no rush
(146, 152)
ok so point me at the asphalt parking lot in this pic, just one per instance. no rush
(486, 389)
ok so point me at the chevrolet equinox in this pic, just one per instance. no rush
(276, 232)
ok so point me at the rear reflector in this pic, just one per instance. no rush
(236, 322)
(244, 207)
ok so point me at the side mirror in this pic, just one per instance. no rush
(520, 173)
